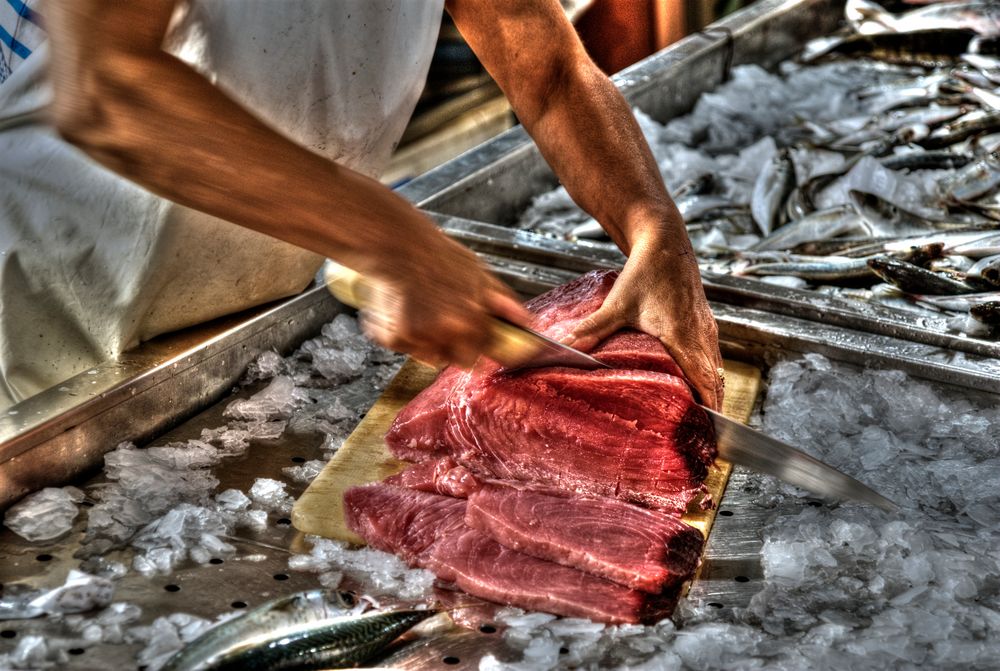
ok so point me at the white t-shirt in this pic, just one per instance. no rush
(91, 264)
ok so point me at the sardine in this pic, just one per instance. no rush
(931, 48)
(975, 180)
(318, 629)
(979, 16)
(914, 279)
(926, 160)
(976, 247)
(928, 116)
(957, 303)
(961, 128)
(822, 225)
(823, 269)
(695, 207)
(890, 220)
(771, 190)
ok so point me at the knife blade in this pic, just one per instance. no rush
(757, 451)
(549, 352)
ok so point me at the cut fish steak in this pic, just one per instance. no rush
(632, 546)
(634, 432)
(637, 547)
(429, 530)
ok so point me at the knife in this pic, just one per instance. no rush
(740, 444)
(519, 347)
(510, 344)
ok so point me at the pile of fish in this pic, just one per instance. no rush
(869, 169)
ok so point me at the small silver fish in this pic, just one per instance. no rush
(821, 225)
(318, 629)
(975, 180)
(961, 128)
(816, 269)
(925, 160)
(913, 279)
(771, 190)
(958, 303)
(695, 206)
(977, 247)
(980, 16)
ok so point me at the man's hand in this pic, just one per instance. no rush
(435, 301)
(660, 292)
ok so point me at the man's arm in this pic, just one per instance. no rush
(586, 131)
(148, 116)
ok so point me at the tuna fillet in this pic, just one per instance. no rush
(640, 548)
(632, 546)
(635, 433)
(429, 531)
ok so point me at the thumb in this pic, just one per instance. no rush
(595, 328)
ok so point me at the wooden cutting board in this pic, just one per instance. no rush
(365, 458)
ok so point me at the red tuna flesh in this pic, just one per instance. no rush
(632, 546)
(429, 531)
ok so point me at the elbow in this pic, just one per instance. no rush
(77, 120)
(91, 107)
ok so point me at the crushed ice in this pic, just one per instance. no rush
(845, 586)
(162, 504)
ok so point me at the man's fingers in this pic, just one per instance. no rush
(503, 304)
(702, 372)
(595, 328)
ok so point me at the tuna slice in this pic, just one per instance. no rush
(429, 531)
(639, 548)
(634, 433)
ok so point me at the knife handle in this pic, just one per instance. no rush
(508, 344)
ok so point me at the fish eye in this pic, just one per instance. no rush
(348, 598)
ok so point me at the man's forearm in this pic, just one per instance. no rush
(587, 133)
(151, 118)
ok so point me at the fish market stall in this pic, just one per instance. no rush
(196, 527)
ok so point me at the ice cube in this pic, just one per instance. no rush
(45, 515)
(233, 500)
(306, 472)
(267, 365)
(276, 401)
(270, 495)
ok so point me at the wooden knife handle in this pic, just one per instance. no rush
(509, 345)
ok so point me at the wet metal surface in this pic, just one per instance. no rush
(256, 573)
(53, 436)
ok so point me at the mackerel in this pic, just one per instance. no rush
(318, 629)
(771, 190)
